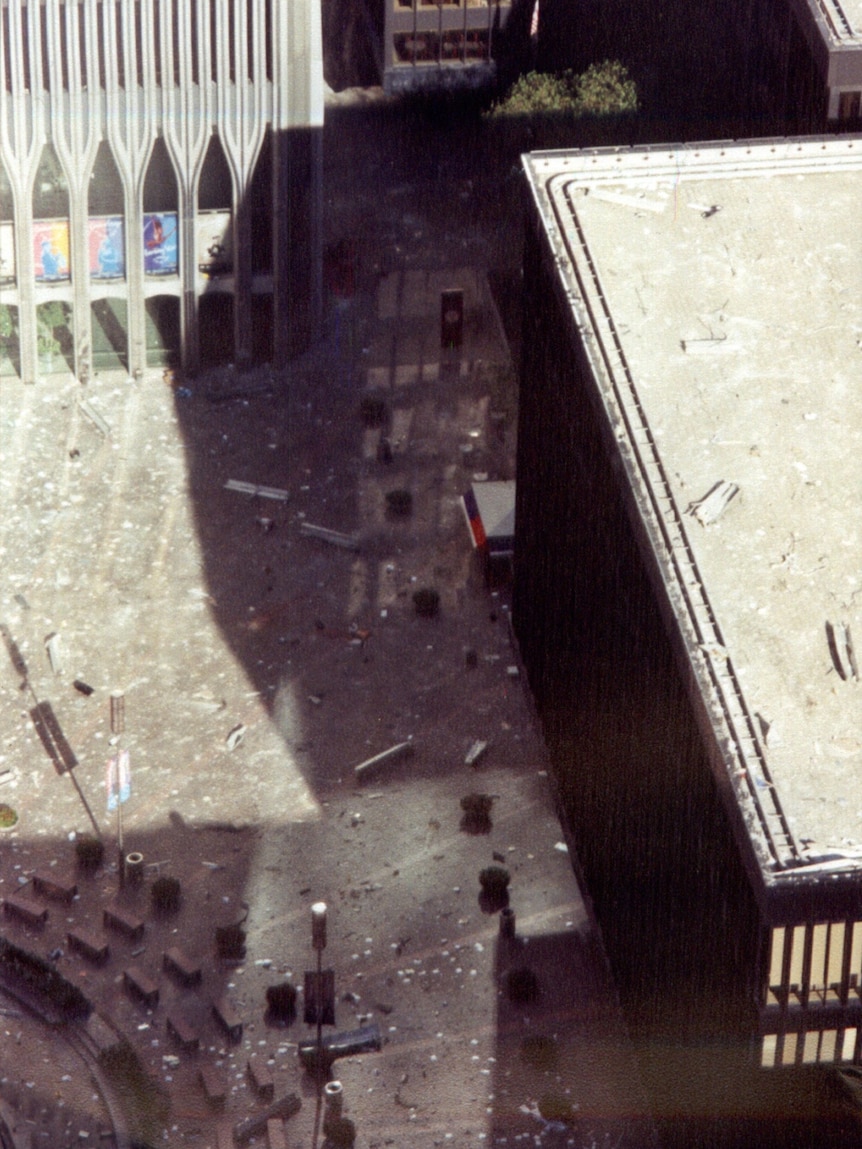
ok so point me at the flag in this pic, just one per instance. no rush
(124, 772)
(118, 780)
(534, 23)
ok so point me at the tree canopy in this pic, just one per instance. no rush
(604, 89)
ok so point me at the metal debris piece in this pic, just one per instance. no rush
(87, 408)
(52, 645)
(336, 538)
(364, 1040)
(842, 651)
(401, 750)
(235, 736)
(255, 489)
(714, 503)
(475, 753)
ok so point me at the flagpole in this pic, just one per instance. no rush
(118, 724)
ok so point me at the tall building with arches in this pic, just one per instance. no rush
(159, 184)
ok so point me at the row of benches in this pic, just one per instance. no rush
(114, 917)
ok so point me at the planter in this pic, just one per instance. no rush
(8, 817)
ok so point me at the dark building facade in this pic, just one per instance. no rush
(683, 605)
(160, 182)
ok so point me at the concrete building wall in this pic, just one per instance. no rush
(204, 78)
(433, 46)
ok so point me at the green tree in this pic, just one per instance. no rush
(605, 89)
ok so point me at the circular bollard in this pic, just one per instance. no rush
(134, 868)
(333, 1095)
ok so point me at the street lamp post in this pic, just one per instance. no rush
(318, 942)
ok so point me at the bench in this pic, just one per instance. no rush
(181, 966)
(228, 1019)
(54, 885)
(104, 1038)
(275, 1137)
(261, 1079)
(214, 1083)
(116, 918)
(182, 1032)
(92, 946)
(141, 985)
(25, 910)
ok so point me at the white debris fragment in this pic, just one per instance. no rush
(255, 489)
(714, 503)
(235, 736)
(52, 645)
(475, 753)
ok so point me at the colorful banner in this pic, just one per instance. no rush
(51, 250)
(118, 780)
(107, 247)
(161, 249)
(7, 254)
(214, 246)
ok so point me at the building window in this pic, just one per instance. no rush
(453, 46)
(476, 46)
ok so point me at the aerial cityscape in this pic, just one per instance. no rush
(429, 471)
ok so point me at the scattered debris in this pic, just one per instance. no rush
(476, 753)
(367, 1039)
(401, 750)
(255, 489)
(52, 645)
(842, 651)
(336, 538)
(235, 736)
(86, 408)
(714, 503)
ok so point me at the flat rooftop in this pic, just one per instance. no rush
(843, 18)
(718, 289)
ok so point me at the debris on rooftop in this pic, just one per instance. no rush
(841, 649)
(714, 503)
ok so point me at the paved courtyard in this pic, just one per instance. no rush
(259, 666)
